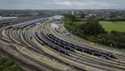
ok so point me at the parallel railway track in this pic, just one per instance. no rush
(31, 41)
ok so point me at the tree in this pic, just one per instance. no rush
(92, 27)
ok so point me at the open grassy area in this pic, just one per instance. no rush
(113, 26)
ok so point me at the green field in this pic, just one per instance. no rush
(113, 26)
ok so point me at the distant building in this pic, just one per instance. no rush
(3, 18)
(73, 13)
(57, 17)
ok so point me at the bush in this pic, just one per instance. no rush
(7, 64)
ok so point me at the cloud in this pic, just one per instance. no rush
(61, 4)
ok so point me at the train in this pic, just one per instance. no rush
(65, 47)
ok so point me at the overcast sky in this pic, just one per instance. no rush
(62, 4)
